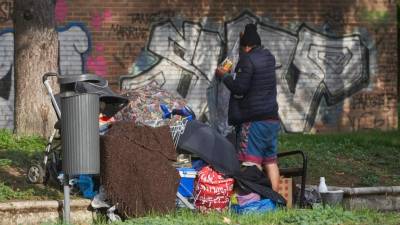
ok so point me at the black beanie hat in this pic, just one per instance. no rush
(250, 36)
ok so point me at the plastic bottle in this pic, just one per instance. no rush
(322, 185)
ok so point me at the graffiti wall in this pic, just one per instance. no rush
(6, 78)
(335, 68)
(74, 46)
(183, 59)
(312, 65)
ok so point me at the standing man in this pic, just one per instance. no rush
(253, 104)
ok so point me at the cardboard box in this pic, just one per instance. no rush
(286, 190)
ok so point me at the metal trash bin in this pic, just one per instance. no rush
(80, 133)
(80, 140)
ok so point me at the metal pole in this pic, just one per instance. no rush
(185, 201)
(66, 205)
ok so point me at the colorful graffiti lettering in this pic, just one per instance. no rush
(97, 64)
(98, 18)
(187, 57)
(316, 71)
(61, 11)
(74, 47)
(312, 65)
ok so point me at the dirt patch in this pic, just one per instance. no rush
(13, 176)
(136, 169)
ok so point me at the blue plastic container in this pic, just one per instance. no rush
(186, 185)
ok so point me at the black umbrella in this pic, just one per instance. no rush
(211, 146)
(200, 139)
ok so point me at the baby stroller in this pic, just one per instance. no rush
(177, 129)
(50, 167)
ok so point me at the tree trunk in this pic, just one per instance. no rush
(36, 52)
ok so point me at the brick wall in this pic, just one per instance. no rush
(338, 59)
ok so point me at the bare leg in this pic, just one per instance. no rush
(272, 172)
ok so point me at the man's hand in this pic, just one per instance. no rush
(220, 71)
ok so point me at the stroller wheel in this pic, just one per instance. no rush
(36, 174)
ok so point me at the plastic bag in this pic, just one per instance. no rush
(86, 186)
(218, 104)
(218, 97)
(262, 206)
(212, 190)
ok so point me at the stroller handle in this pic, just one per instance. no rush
(50, 92)
(47, 75)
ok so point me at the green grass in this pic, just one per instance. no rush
(351, 159)
(291, 216)
(16, 154)
(316, 216)
(25, 143)
(345, 159)
(18, 151)
(364, 158)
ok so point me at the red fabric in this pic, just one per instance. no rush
(104, 118)
(212, 190)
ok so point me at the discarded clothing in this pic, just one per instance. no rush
(136, 169)
(255, 175)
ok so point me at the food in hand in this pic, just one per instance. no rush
(227, 64)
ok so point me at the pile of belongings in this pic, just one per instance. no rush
(215, 192)
(137, 170)
(213, 189)
(144, 105)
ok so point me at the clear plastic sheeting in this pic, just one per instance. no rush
(99, 202)
(218, 97)
(144, 106)
(111, 214)
(218, 104)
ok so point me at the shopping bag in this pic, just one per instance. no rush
(212, 190)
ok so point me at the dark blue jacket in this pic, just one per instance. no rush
(253, 91)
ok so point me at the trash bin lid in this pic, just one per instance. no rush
(90, 78)
(68, 94)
